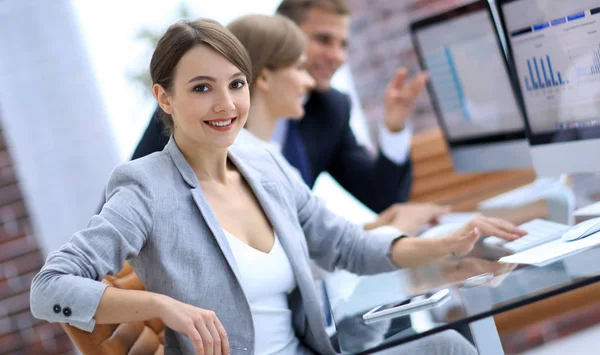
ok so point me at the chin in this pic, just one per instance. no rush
(226, 143)
(297, 114)
(323, 85)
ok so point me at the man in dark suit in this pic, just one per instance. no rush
(323, 140)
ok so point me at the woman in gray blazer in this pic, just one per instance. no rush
(176, 215)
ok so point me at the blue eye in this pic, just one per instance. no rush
(238, 84)
(201, 88)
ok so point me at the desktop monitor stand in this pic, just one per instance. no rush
(587, 191)
(555, 191)
(540, 188)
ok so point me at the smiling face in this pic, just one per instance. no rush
(327, 50)
(288, 87)
(208, 99)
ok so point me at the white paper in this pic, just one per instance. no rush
(592, 210)
(551, 251)
(457, 217)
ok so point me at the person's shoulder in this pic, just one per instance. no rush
(143, 169)
(252, 148)
(328, 108)
(258, 154)
(331, 97)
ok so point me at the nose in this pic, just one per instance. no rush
(309, 81)
(223, 102)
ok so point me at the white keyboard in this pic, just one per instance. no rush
(539, 231)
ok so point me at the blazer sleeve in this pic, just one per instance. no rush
(71, 277)
(332, 241)
(154, 139)
(376, 181)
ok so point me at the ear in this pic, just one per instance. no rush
(263, 80)
(162, 97)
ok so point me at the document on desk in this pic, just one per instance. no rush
(592, 210)
(457, 217)
(551, 251)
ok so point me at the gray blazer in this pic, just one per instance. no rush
(157, 218)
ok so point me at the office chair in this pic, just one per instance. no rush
(138, 338)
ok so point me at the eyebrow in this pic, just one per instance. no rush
(210, 78)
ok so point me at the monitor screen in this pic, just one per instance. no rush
(469, 82)
(554, 52)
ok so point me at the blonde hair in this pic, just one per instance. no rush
(183, 36)
(297, 10)
(272, 42)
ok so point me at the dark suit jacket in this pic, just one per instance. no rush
(331, 147)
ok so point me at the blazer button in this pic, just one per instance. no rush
(67, 312)
(56, 308)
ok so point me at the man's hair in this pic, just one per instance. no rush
(297, 10)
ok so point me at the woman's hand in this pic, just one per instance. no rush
(409, 218)
(200, 325)
(410, 252)
(461, 241)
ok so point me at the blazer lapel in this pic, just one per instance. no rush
(271, 201)
(189, 177)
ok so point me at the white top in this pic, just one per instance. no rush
(267, 279)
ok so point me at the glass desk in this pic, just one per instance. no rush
(473, 298)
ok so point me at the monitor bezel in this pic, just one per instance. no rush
(448, 15)
(570, 135)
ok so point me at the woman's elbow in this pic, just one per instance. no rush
(38, 295)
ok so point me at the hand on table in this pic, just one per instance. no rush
(461, 241)
(409, 218)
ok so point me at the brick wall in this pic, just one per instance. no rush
(20, 259)
(379, 44)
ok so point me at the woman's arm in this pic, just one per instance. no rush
(335, 242)
(202, 326)
(68, 288)
(411, 252)
(123, 306)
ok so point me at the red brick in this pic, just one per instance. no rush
(23, 264)
(15, 248)
(15, 304)
(7, 176)
(7, 325)
(40, 333)
(17, 229)
(59, 345)
(16, 284)
(16, 209)
(5, 159)
(11, 342)
(10, 193)
(25, 320)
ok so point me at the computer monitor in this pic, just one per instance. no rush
(472, 94)
(553, 50)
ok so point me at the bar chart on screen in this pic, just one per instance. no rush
(560, 57)
(469, 80)
(549, 78)
(558, 65)
(584, 68)
(449, 89)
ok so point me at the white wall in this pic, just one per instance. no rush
(53, 117)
